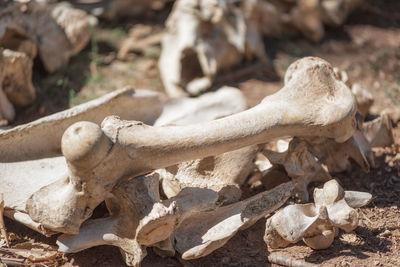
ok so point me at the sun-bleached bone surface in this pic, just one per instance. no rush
(42, 137)
(202, 38)
(15, 82)
(321, 105)
(316, 223)
(55, 31)
(140, 219)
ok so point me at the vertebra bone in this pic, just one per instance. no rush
(316, 224)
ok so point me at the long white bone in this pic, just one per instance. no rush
(313, 102)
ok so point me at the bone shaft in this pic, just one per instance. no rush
(159, 147)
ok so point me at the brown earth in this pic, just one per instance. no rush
(367, 47)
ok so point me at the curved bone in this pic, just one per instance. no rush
(312, 103)
(41, 138)
(316, 224)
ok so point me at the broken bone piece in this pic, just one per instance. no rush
(300, 165)
(58, 30)
(203, 38)
(316, 223)
(16, 87)
(378, 132)
(195, 240)
(137, 148)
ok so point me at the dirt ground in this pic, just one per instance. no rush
(367, 47)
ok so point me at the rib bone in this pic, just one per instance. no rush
(313, 102)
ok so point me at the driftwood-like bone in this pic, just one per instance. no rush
(320, 105)
(316, 224)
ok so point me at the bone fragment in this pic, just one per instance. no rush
(378, 132)
(300, 165)
(58, 31)
(93, 152)
(41, 138)
(288, 261)
(316, 224)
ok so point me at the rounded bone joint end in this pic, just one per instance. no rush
(83, 144)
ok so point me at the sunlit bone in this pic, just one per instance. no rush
(320, 105)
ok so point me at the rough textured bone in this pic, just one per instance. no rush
(58, 31)
(316, 224)
(151, 221)
(15, 82)
(300, 165)
(194, 239)
(145, 105)
(93, 152)
(379, 131)
(201, 39)
(41, 138)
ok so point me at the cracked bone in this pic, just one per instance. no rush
(201, 39)
(138, 104)
(58, 31)
(313, 102)
(316, 223)
(15, 82)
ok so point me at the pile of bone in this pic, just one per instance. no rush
(164, 165)
(203, 38)
(52, 32)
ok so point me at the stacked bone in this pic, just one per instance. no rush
(54, 32)
(200, 166)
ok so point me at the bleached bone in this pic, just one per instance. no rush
(150, 221)
(27, 177)
(201, 39)
(41, 138)
(58, 30)
(378, 132)
(320, 105)
(316, 224)
(15, 82)
(195, 240)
